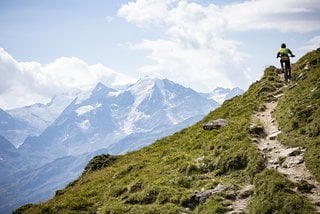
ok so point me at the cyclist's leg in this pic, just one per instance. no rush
(283, 68)
(289, 69)
(282, 65)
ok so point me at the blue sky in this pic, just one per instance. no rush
(49, 47)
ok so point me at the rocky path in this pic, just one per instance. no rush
(288, 161)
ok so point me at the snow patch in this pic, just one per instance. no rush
(220, 98)
(85, 125)
(84, 95)
(85, 109)
(172, 118)
(114, 93)
(65, 137)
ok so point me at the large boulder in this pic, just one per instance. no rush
(215, 124)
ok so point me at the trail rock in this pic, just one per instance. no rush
(201, 197)
(215, 124)
(240, 211)
(293, 160)
(274, 135)
(290, 152)
(246, 192)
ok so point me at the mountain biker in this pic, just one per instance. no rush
(285, 53)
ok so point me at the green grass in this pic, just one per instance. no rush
(274, 194)
(163, 177)
(298, 112)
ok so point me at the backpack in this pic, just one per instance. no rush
(284, 54)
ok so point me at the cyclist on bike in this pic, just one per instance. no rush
(285, 53)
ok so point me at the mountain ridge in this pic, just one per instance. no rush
(37, 117)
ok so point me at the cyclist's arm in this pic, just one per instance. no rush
(289, 51)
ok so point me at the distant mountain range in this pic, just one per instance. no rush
(220, 94)
(56, 140)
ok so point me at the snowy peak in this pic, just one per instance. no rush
(146, 86)
(220, 94)
(38, 117)
(160, 102)
(143, 87)
(101, 90)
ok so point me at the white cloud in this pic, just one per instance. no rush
(194, 67)
(25, 83)
(196, 51)
(284, 16)
(312, 44)
(145, 11)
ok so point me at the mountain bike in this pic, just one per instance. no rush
(286, 69)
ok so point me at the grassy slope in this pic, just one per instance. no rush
(298, 111)
(162, 178)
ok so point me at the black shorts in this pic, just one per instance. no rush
(286, 63)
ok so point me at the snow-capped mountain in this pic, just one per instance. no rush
(220, 94)
(107, 116)
(38, 117)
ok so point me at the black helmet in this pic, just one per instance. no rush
(283, 45)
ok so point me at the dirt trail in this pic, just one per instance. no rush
(286, 160)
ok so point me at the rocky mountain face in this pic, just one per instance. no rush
(149, 107)
(225, 169)
(37, 117)
(12, 128)
(8, 152)
(60, 137)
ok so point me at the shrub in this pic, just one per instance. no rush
(232, 162)
(99, 162)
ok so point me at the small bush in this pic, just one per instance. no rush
(136, 186)
(257, 130)
(99, 162)
(184, 181)
(230, 163)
